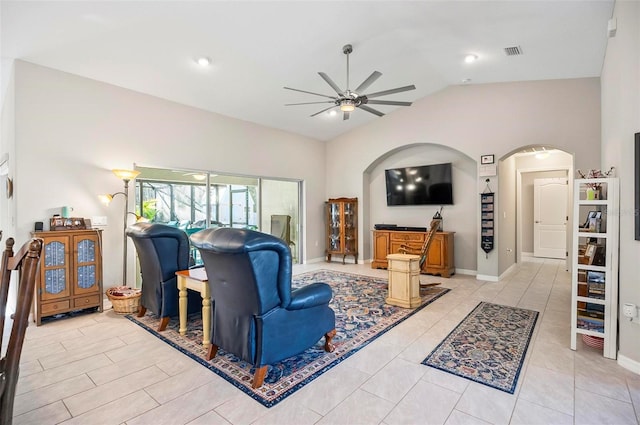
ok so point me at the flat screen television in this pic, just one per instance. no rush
(422, 185)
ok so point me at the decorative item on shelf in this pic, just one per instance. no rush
(66, 212)
(125, 176)
(594, 190)
(593, 222)
(125, 300)
(71, 223)
(438, 216)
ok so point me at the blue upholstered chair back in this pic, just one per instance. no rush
(162, 250)
(249, 276)
(252, 268)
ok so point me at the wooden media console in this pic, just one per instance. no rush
(439, 259)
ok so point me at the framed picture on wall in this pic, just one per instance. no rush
(486, 159)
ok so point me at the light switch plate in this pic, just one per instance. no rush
(99, 220)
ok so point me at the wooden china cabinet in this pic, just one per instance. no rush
(342, 228)
(70, 275)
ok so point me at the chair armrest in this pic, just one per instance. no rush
(310, 296)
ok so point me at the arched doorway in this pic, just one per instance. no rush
(518, 171)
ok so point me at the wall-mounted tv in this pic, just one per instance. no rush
(422, 185)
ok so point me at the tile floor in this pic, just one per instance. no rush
(102, 369)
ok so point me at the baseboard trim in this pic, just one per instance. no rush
(315, 260)
(627, 363)
(487, 277)
(466, 272)
(506, 272)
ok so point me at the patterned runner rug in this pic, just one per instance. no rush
(361, 317)
(488, 346)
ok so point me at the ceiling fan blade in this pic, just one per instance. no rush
(371, 110)
(310, 92)
(366, 83)
(391, 91)
(330, 82)
(388, 102)
(324, 110)
(345, 116)
(308, 103)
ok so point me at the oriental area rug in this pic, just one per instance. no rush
(488, 346)
(361, 317)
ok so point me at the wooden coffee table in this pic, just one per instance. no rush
(196, 280)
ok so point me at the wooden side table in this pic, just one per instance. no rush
(195, 279)
(404, 280)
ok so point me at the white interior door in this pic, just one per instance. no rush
(550, 217)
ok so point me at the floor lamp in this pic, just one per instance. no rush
(125, 176)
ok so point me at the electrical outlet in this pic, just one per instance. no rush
(630, 311)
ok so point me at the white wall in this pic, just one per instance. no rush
(7, 150)
(505, 217)
(620, 120)
(71, 131)
(475, 120)
(7, 147)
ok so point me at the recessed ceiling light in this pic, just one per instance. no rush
(470, 58)
(333, 113)
(542, 155)
(203, 61)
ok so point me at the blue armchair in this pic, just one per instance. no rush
(256, 315)
(162, 251)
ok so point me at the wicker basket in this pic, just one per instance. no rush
(125, 300)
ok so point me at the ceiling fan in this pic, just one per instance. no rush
(348, 100)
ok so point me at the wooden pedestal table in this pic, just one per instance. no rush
(196, 280)
(404, 280)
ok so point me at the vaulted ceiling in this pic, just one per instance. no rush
(259, 47)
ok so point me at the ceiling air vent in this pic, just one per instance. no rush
(513, 51)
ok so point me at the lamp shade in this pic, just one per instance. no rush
(106, 199)
(126, 174)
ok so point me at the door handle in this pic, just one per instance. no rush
(537, 221)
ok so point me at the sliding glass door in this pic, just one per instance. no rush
(281, 212)
(194, 201)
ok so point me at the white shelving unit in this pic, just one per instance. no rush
(594, 300)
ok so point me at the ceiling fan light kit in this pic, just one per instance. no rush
(348, 100)
(347, 105)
